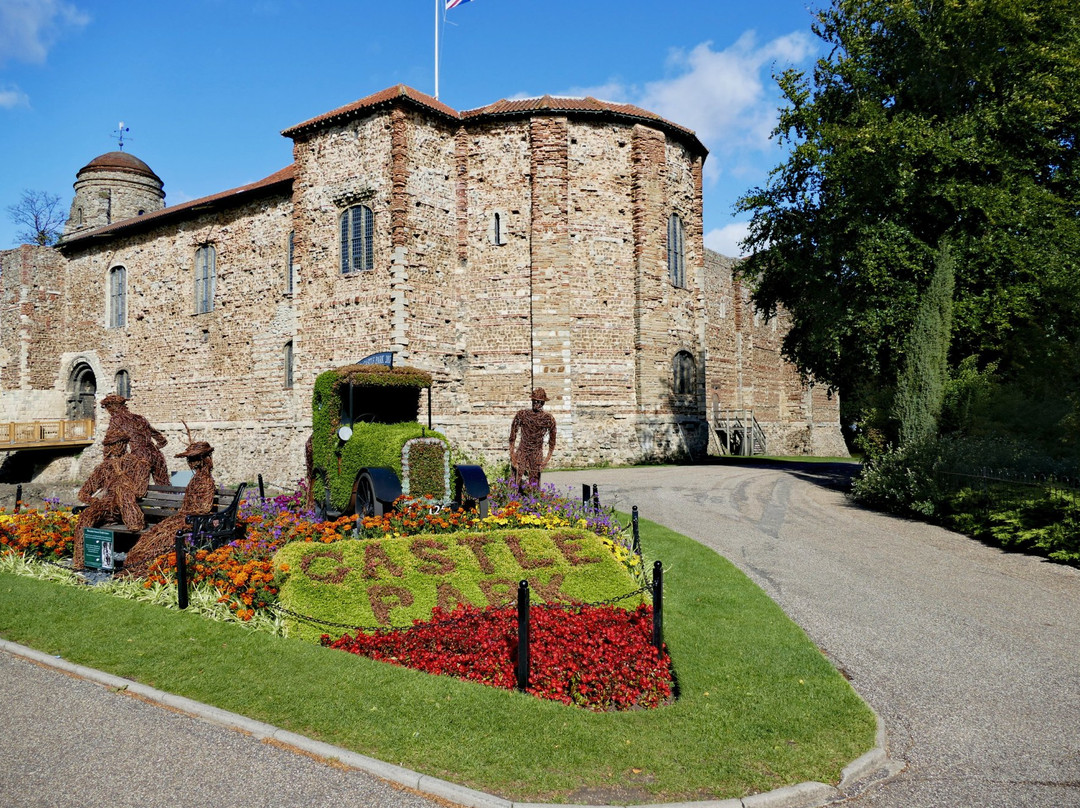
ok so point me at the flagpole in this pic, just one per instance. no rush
(437, 50)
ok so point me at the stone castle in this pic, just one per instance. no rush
(546, 242)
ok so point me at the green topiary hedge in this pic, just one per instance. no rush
(372, 444)
(393, 581)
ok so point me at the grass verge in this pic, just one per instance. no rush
(759, 707)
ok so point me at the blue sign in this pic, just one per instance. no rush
(381, 358)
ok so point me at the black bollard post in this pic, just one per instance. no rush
(262, 490)
(658, 606)
(595, 499)
(523, 637)
(637, 531)
(181, 570)
(18, 497)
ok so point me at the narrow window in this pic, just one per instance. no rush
(117, 297)
(289, 264)
(357, 235)
(685, 374)
(205, 278)
(288, 365)
(123, 384)
(675, 258)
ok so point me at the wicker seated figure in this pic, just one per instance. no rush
(527, 457)
(146, 442)
(121, 478)
(198, 499)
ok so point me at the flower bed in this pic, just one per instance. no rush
(599, 657)
(48, 534)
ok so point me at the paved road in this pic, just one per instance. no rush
(971, 656)
(70, 743)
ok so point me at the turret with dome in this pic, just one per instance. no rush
(113, 187)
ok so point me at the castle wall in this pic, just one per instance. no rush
(509, 253)
(747, 371)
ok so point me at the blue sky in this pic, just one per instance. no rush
(206, 86)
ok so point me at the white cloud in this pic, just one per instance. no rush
(29, 28)
(11, 97)
(728, 97)
(725, 240)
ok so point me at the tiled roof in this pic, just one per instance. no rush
(254, 189)
(397, 94)
(546, 104)
(578, 106)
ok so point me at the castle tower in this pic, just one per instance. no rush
(111, 188)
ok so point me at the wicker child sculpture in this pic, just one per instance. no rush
(146, 442)
(198, 499)
(121, 477)
(527, 458)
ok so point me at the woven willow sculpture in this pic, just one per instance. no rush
(146, 442)
(527, 431)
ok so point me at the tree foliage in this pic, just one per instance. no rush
(920, 390)
(39, 216)
(927, 120)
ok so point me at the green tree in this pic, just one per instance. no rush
(926, 120)
(920, 390)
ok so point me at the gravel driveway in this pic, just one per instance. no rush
(970, 655)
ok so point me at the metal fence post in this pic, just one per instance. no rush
(658, 606)
(523, 636)
(262, 490)
(18, 497)
(637, 531)
(595, 499)
(181, 570)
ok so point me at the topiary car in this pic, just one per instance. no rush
(368, 448)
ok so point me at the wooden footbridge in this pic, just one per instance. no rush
(17, 436)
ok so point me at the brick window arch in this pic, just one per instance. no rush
(684, 374)
(357, 239)
(123, 383)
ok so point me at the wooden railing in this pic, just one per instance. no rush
(45, 434)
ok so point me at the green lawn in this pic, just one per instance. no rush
(759, 706)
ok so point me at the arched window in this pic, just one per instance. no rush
(205, 278)
(357, 237)
(676, 260)
(117, 297)
(288, 359)
(123, 384)
(684, 374)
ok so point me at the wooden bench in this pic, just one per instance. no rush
(209, 531)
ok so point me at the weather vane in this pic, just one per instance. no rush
(119, 134)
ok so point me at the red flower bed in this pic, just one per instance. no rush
(599, 657)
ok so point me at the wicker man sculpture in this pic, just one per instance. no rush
(146, 442)
(198, 499)
(527, 458)
(121, 478)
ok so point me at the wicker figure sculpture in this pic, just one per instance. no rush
(198, 499)
(146, 442)
(527, 457)
(121, 477)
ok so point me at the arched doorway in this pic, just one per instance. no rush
(82, 388)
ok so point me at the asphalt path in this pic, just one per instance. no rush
(970, 655)
(66, 742)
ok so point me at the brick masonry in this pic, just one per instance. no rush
(510, 251)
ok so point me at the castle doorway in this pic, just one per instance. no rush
(82, 389)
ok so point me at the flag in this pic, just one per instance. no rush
(454, 3)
